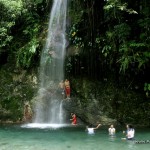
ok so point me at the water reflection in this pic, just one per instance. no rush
(112, 138)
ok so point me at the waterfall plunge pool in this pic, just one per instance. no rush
(63, 137)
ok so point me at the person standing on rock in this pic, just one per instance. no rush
(73, 119)
(67, 88)
(61, 88)
(27, 113)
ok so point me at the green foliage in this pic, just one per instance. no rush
(15, 91)
(68, 65)
(125, 61)
(74, 37)
(144, 24)
(114, 5)
(76, 17)
(13, 14)
(112, 37)
(26, 53)
(147, 89)
(9, 103)
(118, 37)
(106, 50)
(133, 52)
(122, 32)
(10, 10)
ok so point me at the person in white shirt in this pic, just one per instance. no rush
(91, 129)
(112, 130)
(129, 133)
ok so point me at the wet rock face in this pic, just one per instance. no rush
(17, 87)
(98, 102)
(91, 101)
(89, 114)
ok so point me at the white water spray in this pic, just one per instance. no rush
(49, 108)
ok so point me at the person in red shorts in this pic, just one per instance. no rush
(67, 88)
(74, 119)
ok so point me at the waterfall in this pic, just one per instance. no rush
(48, 107)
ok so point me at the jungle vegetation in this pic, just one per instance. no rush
(108, 40)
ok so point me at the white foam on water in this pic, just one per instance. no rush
(44, 125)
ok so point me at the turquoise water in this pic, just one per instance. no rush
(14, 137)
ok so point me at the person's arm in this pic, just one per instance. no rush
(114, 130)
(73, 116)
(97, 126)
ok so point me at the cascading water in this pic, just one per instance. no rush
(48, 107)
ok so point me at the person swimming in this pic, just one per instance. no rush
(91, 130)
